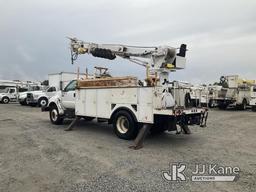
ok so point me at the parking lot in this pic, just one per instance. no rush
(38, 156)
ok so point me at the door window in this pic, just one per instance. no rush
(51, 89)
(71, 86)
(12, 91)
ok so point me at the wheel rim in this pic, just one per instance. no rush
(43, 102)
(54, 115)
(5, 100)
(122, 124)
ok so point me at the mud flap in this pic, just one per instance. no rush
(73, 123)
(138, 142)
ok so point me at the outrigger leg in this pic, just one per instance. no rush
(185, 129)
(138, 142)
(73, 123)
(183, 125)
(203, 120)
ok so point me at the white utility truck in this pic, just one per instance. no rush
(9, 94)
(40, 97)
(133, 108)
(22, 97)
(235, 92)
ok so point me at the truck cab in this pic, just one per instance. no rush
(62, 104)
(10, 94)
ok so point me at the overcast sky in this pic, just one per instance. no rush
(220, 34)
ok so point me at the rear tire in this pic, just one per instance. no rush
(254, 108)
(55, 116)
(5, 100)
(125, 127)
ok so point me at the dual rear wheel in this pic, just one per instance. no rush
(125, 126)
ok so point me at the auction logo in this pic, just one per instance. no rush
(175, 173)
(201, 172)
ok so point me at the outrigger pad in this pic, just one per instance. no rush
(73, 123)
(138, 142)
